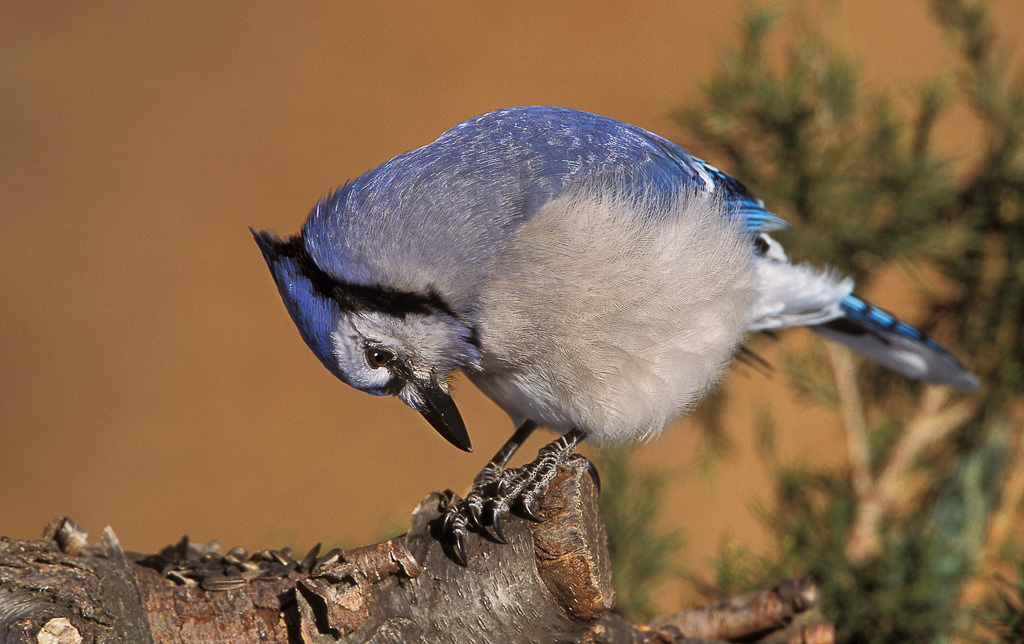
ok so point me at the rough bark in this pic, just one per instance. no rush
(551, 582)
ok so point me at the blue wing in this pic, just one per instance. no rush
(549, 149)
(652, 160)
(691, 172)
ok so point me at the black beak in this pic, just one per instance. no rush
(440, 411)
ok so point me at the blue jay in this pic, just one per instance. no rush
(587, 275)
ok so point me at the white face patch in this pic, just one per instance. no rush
(350, 352)
(429, 346)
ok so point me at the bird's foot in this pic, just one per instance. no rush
(497, 493)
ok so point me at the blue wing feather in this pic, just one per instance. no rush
(564, 146)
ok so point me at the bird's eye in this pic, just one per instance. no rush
(377, 357)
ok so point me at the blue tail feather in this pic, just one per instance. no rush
(893, 343)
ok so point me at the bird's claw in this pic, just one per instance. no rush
(511, 491)
(497, 493)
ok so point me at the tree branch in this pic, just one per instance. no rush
(551, 582)
(933, 422)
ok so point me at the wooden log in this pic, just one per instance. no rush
(550, 583)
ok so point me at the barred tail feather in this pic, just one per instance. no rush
(877, 335)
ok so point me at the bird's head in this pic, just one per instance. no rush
(377, 339)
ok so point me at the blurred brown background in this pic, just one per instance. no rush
(151, 377)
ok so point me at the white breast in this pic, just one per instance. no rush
(609, 313)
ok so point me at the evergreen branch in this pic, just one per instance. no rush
(933, 422)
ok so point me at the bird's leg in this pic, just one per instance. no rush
(496, 491)
(503, 455)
